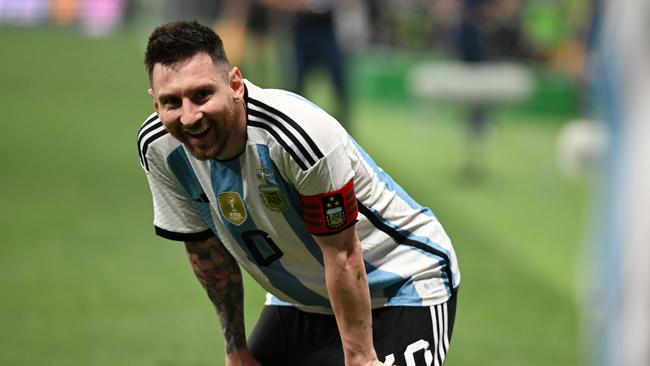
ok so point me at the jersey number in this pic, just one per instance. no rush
(409, 354)
(262, 247)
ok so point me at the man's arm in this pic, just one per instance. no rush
(219, 274)
(347, 286)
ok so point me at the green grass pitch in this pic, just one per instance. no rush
(84, 281)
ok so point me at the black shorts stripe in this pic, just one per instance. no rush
(272, 121)
(146, 144)
(284, 144)
(287, 119)
(401, 238)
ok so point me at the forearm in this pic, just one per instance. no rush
(219, 274)
(347, 287)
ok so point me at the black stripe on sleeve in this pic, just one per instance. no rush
(143, 132)
(150, 119)
(290, 121)
(401, 238)
(269, 119)
(280, 141)
(145, 147)
(146, 129)
(171, 235)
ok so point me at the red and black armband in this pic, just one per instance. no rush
(332, 212)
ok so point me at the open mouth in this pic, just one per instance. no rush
(199, 134)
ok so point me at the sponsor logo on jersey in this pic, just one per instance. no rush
(334, 212)
(232, 207)
(273, 198)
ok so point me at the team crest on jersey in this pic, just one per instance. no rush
(273, 198)
(334, 212)
(263, 173)
(232, 207)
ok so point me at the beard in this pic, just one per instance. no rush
(219, 132)
(211, 149)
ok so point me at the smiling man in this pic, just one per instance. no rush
(356, 271)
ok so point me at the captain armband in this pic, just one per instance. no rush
(332, 212)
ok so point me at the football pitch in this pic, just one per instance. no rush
(84, 281)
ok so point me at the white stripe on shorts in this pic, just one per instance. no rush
(440, 324)
(434, 326)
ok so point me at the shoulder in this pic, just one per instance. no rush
(300, 128)
(154, 142)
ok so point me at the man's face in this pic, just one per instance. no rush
(197, 103)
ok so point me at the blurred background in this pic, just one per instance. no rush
(486, 111)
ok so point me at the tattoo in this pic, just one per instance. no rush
(219, 274)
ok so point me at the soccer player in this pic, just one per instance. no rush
(357, 272)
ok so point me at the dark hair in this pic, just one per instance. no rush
(178, 41)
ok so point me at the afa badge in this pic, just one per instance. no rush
(232, 207)
(273, 198)
(334, 212)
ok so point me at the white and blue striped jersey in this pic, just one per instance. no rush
(300, 174)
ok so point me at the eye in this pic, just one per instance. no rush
(171, 102)
(202, 95)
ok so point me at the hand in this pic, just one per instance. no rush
(241, 357)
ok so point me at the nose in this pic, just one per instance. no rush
(191, 114)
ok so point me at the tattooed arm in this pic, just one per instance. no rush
(219, 274)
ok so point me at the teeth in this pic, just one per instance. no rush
(195, 133)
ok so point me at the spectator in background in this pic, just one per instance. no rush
(247, 28)
(315, 44)
(446, 17)
(263, 25)
(231, 24)
(259, 27)
(475, 46)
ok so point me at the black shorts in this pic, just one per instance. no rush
(403, 336)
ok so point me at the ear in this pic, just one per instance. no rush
(155, 100)
(236, 83)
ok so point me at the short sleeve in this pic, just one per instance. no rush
(175, 216)
(327, 193)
